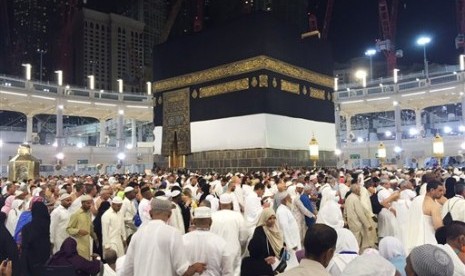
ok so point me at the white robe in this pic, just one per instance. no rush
(144, 209)
(252, 210)
(113, 231)
(13, 216)
(129, 211)
(211, 249)
(230, 226)
(59, 219)
(387, 222)
(156, 249)
(108, 271)
(420, 228)
(456, 207)
(459, 267)
(176, 219)
(327, 194)
(288, 226)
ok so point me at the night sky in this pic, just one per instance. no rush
(355, 27)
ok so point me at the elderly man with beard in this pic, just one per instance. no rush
(289, 227)
(59, 219)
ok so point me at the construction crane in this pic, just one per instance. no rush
(175, 8)
(313, 28)
(388, 24)
(198, 20)
(460, 39)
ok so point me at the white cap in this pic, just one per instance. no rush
(202, 212)
(86, 198)
(128, 189)
(18, 193)
(117, 200)
(225, 198)
(299, 185)
(313, 177)
(175, 193)
(64, 196)
(288, 183)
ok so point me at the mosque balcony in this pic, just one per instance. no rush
(34, 98)
(445, 88)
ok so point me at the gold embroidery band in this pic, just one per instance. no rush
(290, 87)
(242, 67)
(222, 88)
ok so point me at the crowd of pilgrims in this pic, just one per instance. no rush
(290, 222)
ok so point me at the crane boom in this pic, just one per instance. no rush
(387, 20)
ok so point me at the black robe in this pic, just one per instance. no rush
(35, 246)
(8, 247)
(255, 265)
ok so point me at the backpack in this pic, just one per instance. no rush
(375, 205)
(448, 217)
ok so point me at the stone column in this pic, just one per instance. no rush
(418, 122)
(348, 128)
(398, 125)
(60, 139)
(463, 110)
(103, 133)
(29, 125)
(120, 131)
(133, 133)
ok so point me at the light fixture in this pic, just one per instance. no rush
(28, 68)
(121, 112)
(396, 71)
(462, 128)
(462, 62)
(413, 131)
(60, 156)
(149, 88)
(120, 85)
(447, 129)
(80, 145)
(121, 156)
(1, 143)
(397, 149)
(129, 146)
(362, 75)
(388, 133)
(337, 152)
(91, 82)
(359, 139)
(313, 149)
(395, 103)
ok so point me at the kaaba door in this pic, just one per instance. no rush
(176, 143)
(176, 160)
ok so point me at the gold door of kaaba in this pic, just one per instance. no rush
(176, 139)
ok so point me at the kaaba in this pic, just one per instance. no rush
(247, 95)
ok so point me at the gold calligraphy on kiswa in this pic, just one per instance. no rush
(317, 93)
(223, 88)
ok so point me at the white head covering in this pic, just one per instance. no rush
(346, 250)
(331, 215)
(367, 265)
(214, 202)
(391, 247)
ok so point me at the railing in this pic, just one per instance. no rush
(381, 89)
(44, 89)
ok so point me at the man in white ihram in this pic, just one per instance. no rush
(201, 245)
(157, 248)
(113, 230)
(59, 219)
(229, 225)
(289, 227)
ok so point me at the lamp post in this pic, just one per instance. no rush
(438, 148)
(149, 88)
(120, 85)
(362, 74)
(381, 153)
(41, 53)
(423, 41)
(59, 77)
(27, 72)
(91, 82)
(314, 150)
(370, 53)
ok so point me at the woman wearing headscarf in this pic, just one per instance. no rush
(68, 256)
(35, 246)
(450, 187)
(264, 247)
(104, 206)
(8, 202)
(13, 215)
(25, 218)
(346, 250)
(391, 249)
(8, 248)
